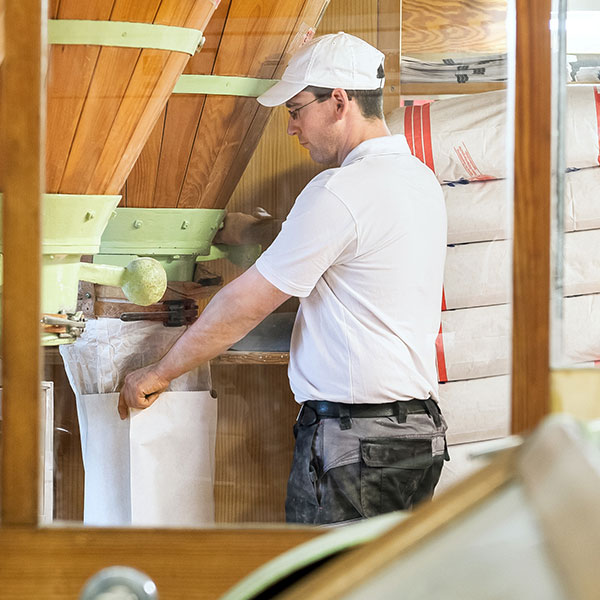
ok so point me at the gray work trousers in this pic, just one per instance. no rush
(377, 465)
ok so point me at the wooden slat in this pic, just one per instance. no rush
(311, 14)
(114, 70)
(142, 178)
(429, 90)
(236, 357)
(531, 254)
(66, 93)
(151, 83)
(23, 140)
(225, 119)
(182, 116)
(54, 564)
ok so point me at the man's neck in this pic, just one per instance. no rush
(368, 129)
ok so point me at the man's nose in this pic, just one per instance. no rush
(292, 127)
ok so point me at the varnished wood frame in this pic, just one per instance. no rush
(202, 564)
(54, 563)
(531, 251)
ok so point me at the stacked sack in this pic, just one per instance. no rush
(463, 140)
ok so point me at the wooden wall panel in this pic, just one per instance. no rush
(252, 471)
(254, 442)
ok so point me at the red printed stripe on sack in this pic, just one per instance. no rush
(427, 143)
(417, 129)
(418, 133)
(441, 357)
(463, 154)
(408, 128)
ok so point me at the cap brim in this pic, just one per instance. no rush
(280, 93)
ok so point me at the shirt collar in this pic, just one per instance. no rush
(387, 144)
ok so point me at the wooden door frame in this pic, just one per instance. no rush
(53, 563)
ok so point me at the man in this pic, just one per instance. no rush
(363, 248)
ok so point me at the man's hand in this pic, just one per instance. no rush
(140, 389)
(240, 228)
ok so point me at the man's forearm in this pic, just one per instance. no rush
(230, 315)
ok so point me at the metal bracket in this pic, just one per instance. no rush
(223, 86)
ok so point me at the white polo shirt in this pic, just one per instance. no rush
(364, 248)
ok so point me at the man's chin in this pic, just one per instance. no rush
(326, 161)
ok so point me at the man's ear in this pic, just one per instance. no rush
(341, 102)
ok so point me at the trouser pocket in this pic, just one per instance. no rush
(396, 473)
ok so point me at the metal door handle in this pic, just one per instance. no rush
(119, 583)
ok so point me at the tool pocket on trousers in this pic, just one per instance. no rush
(391, 471)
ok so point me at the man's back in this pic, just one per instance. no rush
(364, 248)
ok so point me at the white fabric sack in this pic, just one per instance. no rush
(155, 469)
(136, 471)
(581, 329)
(480, 274)
(465, 137)
(477, 341)
(478, 211)
(109, 349)
(582, 192)
(477, 409)
(481, 211)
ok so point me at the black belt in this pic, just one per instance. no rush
(313, 410)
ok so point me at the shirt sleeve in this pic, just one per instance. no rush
(318, 233)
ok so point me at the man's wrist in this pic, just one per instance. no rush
(162, 373)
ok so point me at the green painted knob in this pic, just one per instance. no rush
(144, 281)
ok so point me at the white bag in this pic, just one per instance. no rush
(476, 342)
(154, 469)
(465, 137)
(480, 211)
(479, 274)
(476, 409)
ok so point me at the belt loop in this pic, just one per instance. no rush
(433, 410)
(400, 411)
(345, 421)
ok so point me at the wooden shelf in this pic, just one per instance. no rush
(237, 357)
(441, 88)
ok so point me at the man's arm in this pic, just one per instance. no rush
(230, 315)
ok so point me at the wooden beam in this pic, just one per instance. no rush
(531, 263)
(23, 148)
(184, 563)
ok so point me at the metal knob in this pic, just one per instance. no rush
(119, 583)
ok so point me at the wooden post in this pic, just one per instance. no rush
(23, 139)
(531, 268)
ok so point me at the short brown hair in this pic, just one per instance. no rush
(370, 102)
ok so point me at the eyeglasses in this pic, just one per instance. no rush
(294, 112)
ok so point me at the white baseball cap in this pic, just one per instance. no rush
(337, 60)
